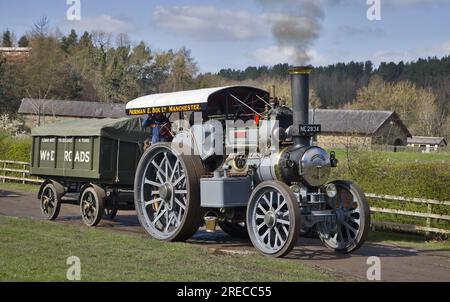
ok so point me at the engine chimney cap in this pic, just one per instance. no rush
(301, 70)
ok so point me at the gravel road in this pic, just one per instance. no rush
(397, 263)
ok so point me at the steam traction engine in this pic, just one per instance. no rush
(271, 196)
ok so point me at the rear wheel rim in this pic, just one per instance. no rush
(48, 202)
(89, 207)
(271, 221)
(349, 224)
(164, 194)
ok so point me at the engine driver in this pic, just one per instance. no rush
(160, 126)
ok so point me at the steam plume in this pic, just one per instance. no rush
(295, 25)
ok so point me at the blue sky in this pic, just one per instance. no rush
(239, 33)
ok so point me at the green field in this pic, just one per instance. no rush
(400, 156)
(37, 251)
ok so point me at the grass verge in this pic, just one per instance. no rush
(19, 187)
(408, 240)
(37, 251)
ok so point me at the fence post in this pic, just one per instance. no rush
(4, 172)
(24, 174)
(428, 234)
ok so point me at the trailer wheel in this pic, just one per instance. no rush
(234, 229)
(91, 206)
(352, 224)
(110, 207)
(273, 219)
(50, 201)
(166, 194)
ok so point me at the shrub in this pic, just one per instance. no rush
(15, 148)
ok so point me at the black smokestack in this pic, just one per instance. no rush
(300, 101)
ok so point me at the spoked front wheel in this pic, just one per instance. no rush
(273, 219)
(350, 228)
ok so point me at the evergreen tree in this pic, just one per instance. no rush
(23, 41)
(7, 40)
(68, 42)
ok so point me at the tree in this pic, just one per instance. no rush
(182, 71)
(427, 118)
(140, 61)
(45, 72)
(69, 41)
(10, 88)
(23, 41)
(314, 101)
(85, 40)
(368, 68)
(40, 28)
(417, 107)
(7, 40)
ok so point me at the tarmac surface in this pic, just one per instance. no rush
(397, 263)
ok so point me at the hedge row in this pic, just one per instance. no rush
(14, 148)
(429, 180)
(376, 174)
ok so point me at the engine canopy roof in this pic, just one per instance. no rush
(200, 99)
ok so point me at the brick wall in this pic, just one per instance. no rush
(344, 141)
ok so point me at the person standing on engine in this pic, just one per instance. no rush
(152, 122)
(159, 125)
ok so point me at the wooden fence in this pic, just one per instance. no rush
(20, 172)
(16, 171)
(410, 227)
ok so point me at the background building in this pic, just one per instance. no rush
(14, 53)
(40, 112)
(426, 143)
(359, 128)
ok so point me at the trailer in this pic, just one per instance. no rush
(88, 162)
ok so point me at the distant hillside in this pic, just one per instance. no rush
(419, 91)
(337, 84)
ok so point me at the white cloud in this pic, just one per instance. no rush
(442, 49)
(414, 2)
(392, 56)
(210, 23)
(364, 31)
(278, 54)
(438, 50)
(104, 23)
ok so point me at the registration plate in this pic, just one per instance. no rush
(310, 130)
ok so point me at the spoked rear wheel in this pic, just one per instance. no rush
(167, 195)
(50, 202)
(352, 224)
(91, 206)
(273, 219)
